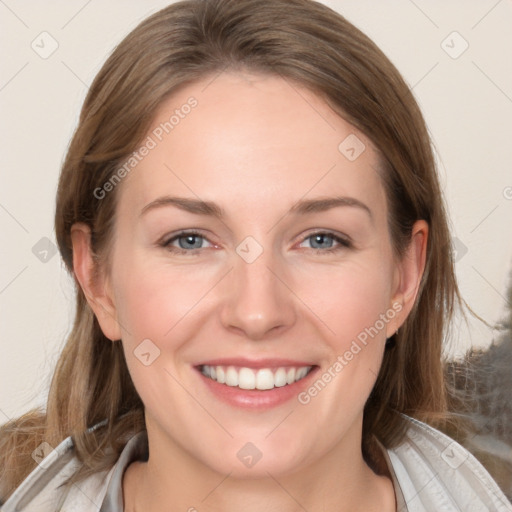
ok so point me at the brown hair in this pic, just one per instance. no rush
(303, 42)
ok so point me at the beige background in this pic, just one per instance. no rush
(467, 102)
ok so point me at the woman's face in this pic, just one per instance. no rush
(288, 268)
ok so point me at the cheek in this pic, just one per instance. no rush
(153, 298)
(352, 304)
(158, 307)
(348, 299)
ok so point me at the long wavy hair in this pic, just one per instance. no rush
(307, 44)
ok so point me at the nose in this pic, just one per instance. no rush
(258, 300)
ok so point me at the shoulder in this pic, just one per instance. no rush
(434, 472)
(44, 489)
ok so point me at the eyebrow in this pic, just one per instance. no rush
(209, 208)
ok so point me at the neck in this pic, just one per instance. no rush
(338, 481)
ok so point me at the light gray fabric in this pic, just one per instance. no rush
(430, 473)
(434, 473)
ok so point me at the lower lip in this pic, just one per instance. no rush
(257, 399)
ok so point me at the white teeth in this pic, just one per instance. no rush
(264, 379)
(299, 375)
(231, 376)
(221, 375)
(246, 379)
(280, 378)
(249, 378)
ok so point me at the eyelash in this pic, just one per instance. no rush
(343, 242)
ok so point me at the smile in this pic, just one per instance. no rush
(250, 378)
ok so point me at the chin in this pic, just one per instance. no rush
(246, 460)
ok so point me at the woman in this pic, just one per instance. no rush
(251, 211)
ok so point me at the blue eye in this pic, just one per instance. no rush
(327, 242)
(188, 241)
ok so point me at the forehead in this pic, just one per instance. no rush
(252, 139)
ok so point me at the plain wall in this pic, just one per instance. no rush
(467, 103)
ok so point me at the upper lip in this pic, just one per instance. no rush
(255, 363)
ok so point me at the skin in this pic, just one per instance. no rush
(255, 146)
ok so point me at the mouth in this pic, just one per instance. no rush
(255, 385)
(262, 379)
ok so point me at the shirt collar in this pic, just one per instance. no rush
(135, 449)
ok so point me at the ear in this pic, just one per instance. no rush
(93, 282)
(408, 274)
